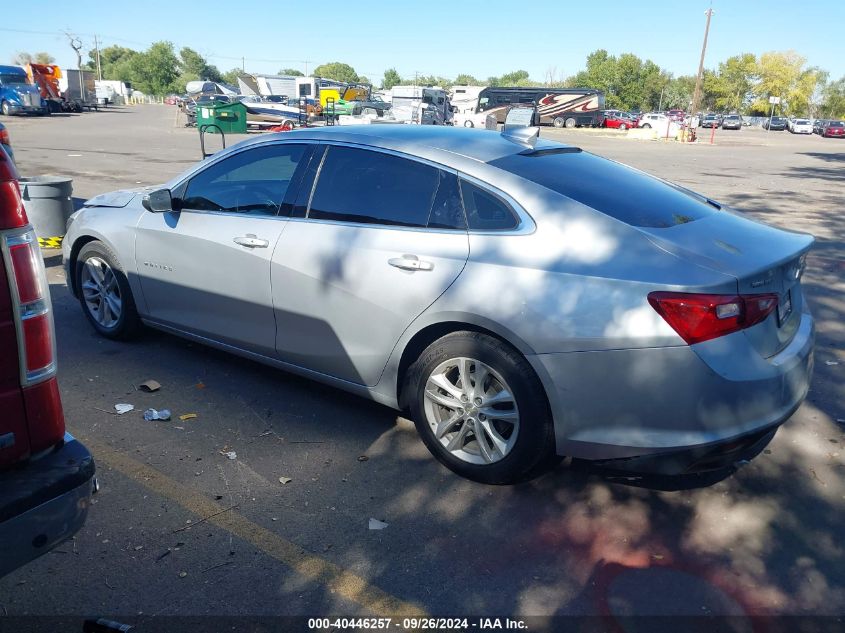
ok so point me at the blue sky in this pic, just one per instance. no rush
(437, 37)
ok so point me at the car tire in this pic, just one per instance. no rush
(647, 125)
(104, 292)
(468, 124)
(509, 450)
(570, 122)
(623, 127)
(5, 109)
(558, 121)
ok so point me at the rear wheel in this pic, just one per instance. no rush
(480, 409)
(647, 125)
(104, 292)
(570, 122)
(468, 123)
(558, 121)
(623, 127)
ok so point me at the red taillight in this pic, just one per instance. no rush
(38, 342)
(4, 137)
(31, 301)
(12, 213)
(701, 317)
(26, 272)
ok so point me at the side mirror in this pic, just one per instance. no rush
(159, 201)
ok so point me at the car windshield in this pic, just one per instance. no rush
(13, 79)
(778, 119)
(732, 117)
(634, 198)
(836, 124)
(802, 122)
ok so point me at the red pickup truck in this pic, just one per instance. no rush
(46, 476)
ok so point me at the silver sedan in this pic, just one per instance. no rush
(520, 299)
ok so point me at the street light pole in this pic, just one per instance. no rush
(697, 94)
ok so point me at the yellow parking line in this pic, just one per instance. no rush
(342, 582)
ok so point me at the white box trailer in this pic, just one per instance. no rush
(419, 104)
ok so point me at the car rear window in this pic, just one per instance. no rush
(611, 188)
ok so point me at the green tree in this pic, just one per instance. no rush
(114, 62)
(231, 77)
(23, 58)
(466, 80)
(195, 66)
(156, 71)
(678, 93)
(733, 84)
(782, 74)
(391, 78)
(833, 100)
(337, 71)
(291, 72)
(516, 78)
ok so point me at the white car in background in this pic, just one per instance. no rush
(799, 126)
(662, 124)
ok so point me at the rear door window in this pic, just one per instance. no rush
(369, 187)
(253, 181)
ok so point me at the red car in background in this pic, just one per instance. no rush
(676, 115)
(833, 129)
(618, 120)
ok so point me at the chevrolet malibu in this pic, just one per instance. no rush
(519, 299)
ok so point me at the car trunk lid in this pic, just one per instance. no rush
(763, 260)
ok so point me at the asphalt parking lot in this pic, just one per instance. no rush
(180, 529)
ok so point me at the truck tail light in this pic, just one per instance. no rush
(32, 315)
(702, 317)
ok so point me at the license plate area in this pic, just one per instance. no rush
(784, 307)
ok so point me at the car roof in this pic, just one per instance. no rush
(479, 145)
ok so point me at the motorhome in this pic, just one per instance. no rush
(418, 104)
(560, 107)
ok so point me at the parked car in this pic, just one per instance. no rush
(171, 99)
(833, 129)
(653, 119)
(459, 276)
(617, 120)
(800, 126)
(776, 123)
(711, 120)
(676, 115)
(6, 142)
(818, 125)
(46, 476)
(732, 122)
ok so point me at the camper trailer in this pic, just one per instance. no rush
(465, 98)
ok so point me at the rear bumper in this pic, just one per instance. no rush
(620, 404)
(44, 502)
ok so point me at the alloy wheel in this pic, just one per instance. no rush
(471, 410)
(101, 292)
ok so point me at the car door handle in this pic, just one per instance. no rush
(250, 241)
(410, 262)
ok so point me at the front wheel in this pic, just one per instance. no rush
(480, 409)
(104, 292)
(623, 127)
(5, 108)
(468, 123)
(647, 125)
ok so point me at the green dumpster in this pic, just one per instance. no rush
(229, 118)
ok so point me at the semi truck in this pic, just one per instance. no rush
(18, 95)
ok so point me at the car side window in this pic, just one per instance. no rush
(447, 212)
(486, 211)
(364, 186)
(252, 182)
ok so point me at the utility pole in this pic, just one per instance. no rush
(696, 96)
(306, 66)
(243, 64)
(99, 66)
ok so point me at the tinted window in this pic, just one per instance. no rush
(253, 181)
(357, 185)
(609, 187)
(486, 211)
(447, 212)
